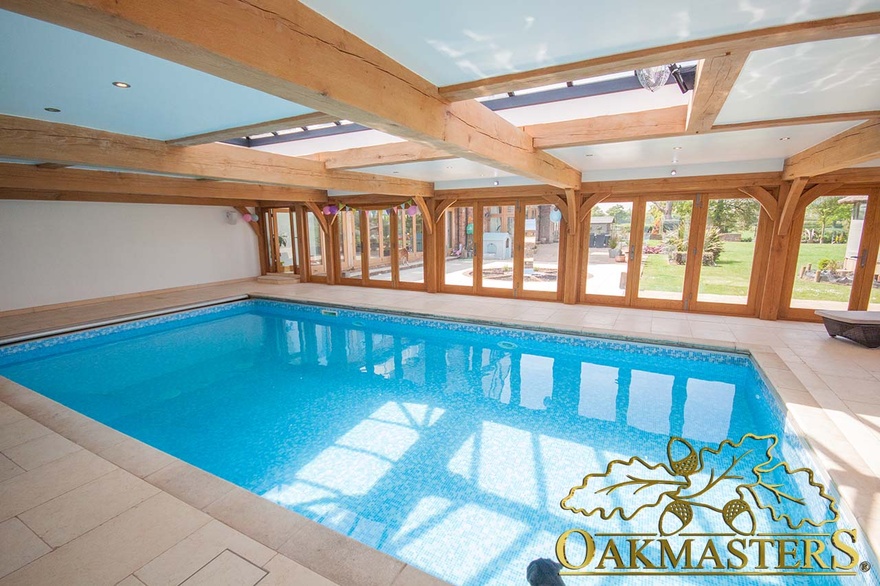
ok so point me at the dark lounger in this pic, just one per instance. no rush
(862, 327)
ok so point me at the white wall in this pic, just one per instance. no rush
(54, 252)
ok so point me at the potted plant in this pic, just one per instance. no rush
(613, 251)
(621, 253)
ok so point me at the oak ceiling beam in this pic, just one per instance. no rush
(714, 81)
(27, 139)
(659, 123)
(14, 176)
(258, 128)
(383, 154)
(87, 196)
(285, 49)
(802, 32)
(856, 145)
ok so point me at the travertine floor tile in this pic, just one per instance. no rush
(8, 468)
(76, 512)
(137, 457)
(9, 415)
(131, 581)
(114, 550)
(227, 569)
(18, 546)
(42, 450)
(184, 559)
(20, 431)
(38, 486)
(266, 522)
(283, 571)
(190, 484)
(411, 576)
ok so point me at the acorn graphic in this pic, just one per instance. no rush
(687, 465)
(675, 517)
(734, 518)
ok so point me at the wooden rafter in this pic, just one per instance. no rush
(27, 139)
(14, 176)
(856, 145)
(657, 123)
(286, 49)
(763, 197)
(778, 36)
(257, 128)
(714, 81)
(383, 154)
(789, 195)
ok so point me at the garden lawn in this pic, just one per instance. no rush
(733, 270)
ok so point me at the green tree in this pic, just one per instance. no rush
(827, 211)
(621, 214)
(730, 215)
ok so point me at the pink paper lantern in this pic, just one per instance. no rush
(246, 217)
(412, 210)
(326, 210)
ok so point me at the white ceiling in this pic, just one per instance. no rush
(44, 65)
(841, 75)
(462, 40)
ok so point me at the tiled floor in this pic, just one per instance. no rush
(81, 502)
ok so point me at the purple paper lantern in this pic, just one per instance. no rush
(412, 210)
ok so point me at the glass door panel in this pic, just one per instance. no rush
(379, 226)
(349, 223)
(459, 260)
(827, 256)
(284, 233)
(728, 251)
(541, 249)
(317, 264)
(608, 247)
(874, 302)
(497, 252)
(410, 254)
(665, 249)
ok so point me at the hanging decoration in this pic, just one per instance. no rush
(555, 214)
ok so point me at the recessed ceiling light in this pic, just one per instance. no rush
(53, 110)
(784, 138)
(495, 183)
(396, 172)
(588, 154)
(676, 148)
(673, 172)
(121, 85)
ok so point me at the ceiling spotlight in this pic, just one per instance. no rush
(588, 154)
(784, 138)
(122, 85)
(53, 110)
(675, 70)
(495, 183)
(676, 148)
(673, 172)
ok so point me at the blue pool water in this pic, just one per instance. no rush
(446, 445)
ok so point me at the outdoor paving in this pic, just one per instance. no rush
(82, 503)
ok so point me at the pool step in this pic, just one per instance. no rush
(279, 278)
